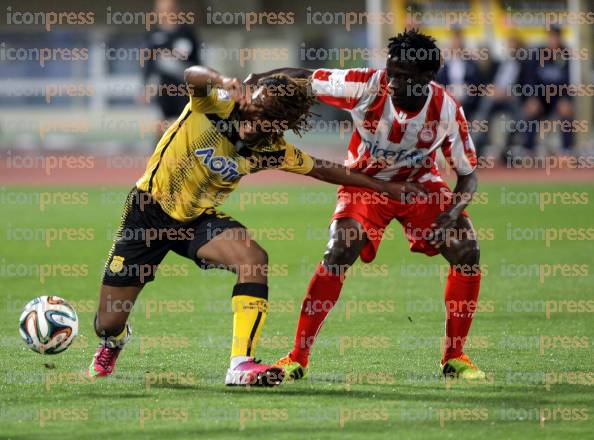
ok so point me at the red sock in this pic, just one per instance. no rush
(461, 295)
(322, 293)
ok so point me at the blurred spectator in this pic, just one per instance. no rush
(459, 72)
(507, 72)
(549, 70)
(166, 71)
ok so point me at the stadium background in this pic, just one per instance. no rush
(102, 112)
(67, 165)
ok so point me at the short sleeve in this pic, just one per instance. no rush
(296, 160)
(458, 147)
(217, 102)
(344, 88)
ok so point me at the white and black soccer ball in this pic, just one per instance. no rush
(48, 325)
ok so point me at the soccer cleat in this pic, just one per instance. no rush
(462, 368)
(253, 373)
(107, 354)
(292, 369)
(103, 362)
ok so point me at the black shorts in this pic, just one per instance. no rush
(147, 233)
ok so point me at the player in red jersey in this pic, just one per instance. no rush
(401, 118)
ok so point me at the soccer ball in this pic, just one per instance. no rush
(48, 325)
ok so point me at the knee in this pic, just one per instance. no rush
(465, 255)
(258, 256)
(468, 253)
(340, 257)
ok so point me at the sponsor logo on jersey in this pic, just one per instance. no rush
(410, 158)
(222, 165)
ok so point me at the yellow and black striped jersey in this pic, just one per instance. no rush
(200, 159)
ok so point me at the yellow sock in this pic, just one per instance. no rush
(119, 340)
(249, 315)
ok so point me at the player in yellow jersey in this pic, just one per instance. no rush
(223, 133)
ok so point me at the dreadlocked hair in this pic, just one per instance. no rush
(291, 107)
(411, 46)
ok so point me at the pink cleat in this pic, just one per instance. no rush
(253, 373)
(103, 362)
(107, 354)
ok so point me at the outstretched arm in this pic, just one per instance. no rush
(340, 175)
(342, 88)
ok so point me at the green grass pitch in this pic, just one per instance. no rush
(374, 368)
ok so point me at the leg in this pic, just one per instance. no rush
(131, 264)
(532, 113)
(356, 231)
(512, 109)
(115, 304)
(234, 250)
(347, 238)
(461, 250)
(564, 112)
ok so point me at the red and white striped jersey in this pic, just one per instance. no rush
(388, 143)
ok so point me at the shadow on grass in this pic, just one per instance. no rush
(232, 430)
(469, 394)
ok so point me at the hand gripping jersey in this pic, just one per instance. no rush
(391, 144)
